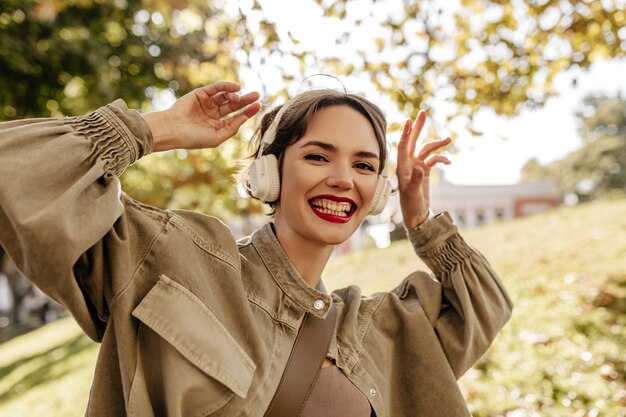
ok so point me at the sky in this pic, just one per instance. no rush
(546, 134)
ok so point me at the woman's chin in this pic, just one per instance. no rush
(335, 239)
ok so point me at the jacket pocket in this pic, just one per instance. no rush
(188, 364)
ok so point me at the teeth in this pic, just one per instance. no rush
(333, 212)
(332, 207)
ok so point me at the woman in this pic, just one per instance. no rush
(191, 322)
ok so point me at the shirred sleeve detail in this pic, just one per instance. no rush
(120, 135)
(448, 253)
(431, 233)
(438, 243)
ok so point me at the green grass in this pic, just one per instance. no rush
(562, 354)
(47, 372)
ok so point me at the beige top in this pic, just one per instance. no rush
(334, 395)
(192, 322)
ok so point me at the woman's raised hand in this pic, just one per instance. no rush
(202, 118)
(413, 171)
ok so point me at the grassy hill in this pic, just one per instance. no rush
(562, 354)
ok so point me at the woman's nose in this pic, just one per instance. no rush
(340, 178)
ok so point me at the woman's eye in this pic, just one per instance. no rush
(315, 157)
(364, 166)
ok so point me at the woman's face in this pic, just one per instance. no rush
(328, 177)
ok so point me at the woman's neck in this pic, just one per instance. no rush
(308, 257)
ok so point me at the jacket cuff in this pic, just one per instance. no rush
(120, 135)
(438, 243)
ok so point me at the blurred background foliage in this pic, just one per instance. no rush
(598, 167)
(69, 57)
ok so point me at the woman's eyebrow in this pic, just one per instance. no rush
(331, 148)
(365, 154)
(323, 145)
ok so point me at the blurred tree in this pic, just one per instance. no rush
(494, 54)
(65, 58)
(598, 168)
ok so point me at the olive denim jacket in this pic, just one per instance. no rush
(192, 323)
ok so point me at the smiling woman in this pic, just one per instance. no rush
(192, 322)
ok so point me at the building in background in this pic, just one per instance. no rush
(473, 205)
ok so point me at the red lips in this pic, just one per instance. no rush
(329, 214)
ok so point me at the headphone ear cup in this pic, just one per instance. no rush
(265, 179)
(381, 195)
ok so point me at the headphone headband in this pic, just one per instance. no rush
(270, 134)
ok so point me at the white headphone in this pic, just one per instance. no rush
(264, 176)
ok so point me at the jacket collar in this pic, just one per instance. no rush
(286, 276)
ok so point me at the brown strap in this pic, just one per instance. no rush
(303, 366)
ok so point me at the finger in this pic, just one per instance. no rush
(250, 97)
(406, 147)
(403, 145)
(223, 97)
(416, 129)
(422, 167)
(418, 174)
(226, 108)
(414, 174)
(252, 109)
(234, 122)
(218, 87)
(236, 103)
(431, 147)
(432, 160)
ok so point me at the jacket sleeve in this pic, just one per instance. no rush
(465, 301)
(63, 218)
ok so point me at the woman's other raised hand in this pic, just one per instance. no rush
(202, 118)
(413, 171)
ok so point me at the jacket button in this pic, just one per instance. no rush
(318, 304)
(372, 392)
